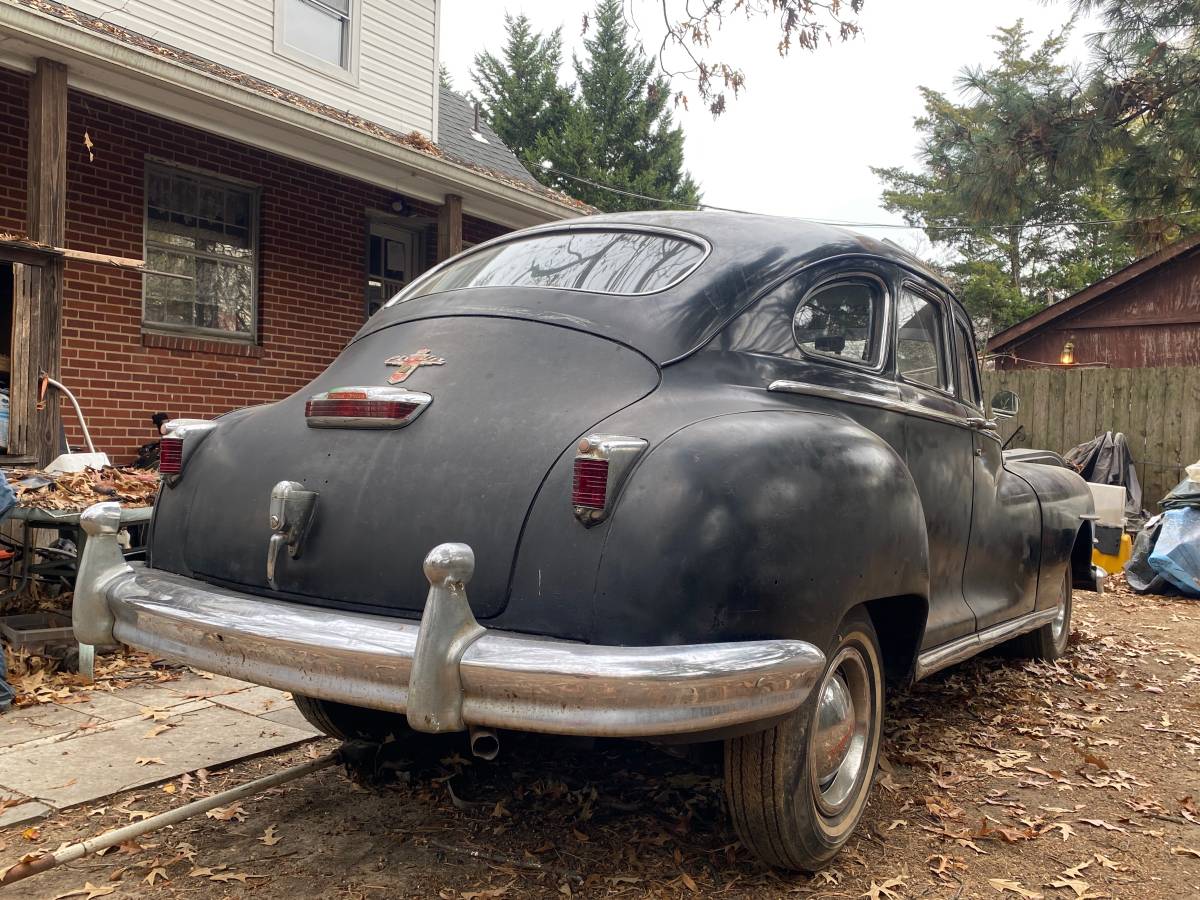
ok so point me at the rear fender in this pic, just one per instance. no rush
(759, 524)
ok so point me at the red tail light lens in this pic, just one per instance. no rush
(589, 488)
(170, 455)
(367, 409)
(364, 407)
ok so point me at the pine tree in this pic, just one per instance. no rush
(519, 89)
(989, 193)
(620, 130)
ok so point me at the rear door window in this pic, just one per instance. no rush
(621, 262)
(840, 321)
(968, 380)
(920, 345)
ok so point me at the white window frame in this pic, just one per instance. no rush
(349, 74)
(201, 176)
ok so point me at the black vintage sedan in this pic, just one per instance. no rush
(684, 477)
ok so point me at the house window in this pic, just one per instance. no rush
(201, 236)
(320, 31)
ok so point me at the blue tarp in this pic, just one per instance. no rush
(1176, 554)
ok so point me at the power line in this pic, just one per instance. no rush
(843, 223)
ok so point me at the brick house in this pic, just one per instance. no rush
(201, 201)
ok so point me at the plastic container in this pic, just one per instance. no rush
(1109, 500)
(31, 630)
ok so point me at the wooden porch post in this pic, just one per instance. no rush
(38, 299)
(450, 234)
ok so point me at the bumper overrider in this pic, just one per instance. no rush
(445, 672)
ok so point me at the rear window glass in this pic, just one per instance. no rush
(608, 262)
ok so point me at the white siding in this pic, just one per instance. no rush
(396, 52)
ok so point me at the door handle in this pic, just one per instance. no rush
(981, 424)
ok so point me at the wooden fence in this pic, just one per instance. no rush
(1157, 409)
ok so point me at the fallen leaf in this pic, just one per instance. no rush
(1185, 851)
(168, 788)
(149, 761)
(884, 891)
(1100, 823)
(689, 883)
(156, 731)
(1073, 884)
(1004, 885)
(1065, 830)
(270, 837)
(32, 833)
(88, 891)
(231, 813)
(158, 873)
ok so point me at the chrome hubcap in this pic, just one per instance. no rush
(1059, 624)
(841, 731)
(835, 729)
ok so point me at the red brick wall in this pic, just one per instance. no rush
(312, 227)
(14, 126)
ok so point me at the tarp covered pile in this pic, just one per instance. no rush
(1166, 554)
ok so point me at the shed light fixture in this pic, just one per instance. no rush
(1067, 357)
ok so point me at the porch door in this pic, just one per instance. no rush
(393, 260)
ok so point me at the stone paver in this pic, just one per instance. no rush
(44, 720)
(255, 700)
(192, 685)
(94, 765)
(29, 811)
(106, 706)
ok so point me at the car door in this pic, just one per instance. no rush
(939, 443)
(1000, 578)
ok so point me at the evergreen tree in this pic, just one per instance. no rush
(988, 192)
(519, 89)
(620, 130)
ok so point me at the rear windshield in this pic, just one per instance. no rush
(607, 262)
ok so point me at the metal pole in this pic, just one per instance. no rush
(72, 852)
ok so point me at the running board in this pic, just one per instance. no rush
(964, 648)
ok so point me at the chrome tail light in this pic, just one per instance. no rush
(602, 465)
(365, 407)
(180, 439)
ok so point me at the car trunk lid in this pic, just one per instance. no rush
(509, 398)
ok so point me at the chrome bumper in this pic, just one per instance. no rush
(445, 672)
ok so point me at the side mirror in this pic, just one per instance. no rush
(1005, 405)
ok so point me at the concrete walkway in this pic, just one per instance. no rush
(57, 755)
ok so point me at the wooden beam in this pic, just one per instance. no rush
(38, 298)
(450, 228)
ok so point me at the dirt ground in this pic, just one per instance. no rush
(1002, 779)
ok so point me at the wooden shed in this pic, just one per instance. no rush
(1147, 315)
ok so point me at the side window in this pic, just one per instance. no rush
(920, 353)
(968, 379)
(840, 320)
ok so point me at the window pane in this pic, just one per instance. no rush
(611, 262)
(839, 321)
(967, 388)
(919, 340)
(199, 228)
(314, 30)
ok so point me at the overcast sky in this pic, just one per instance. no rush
(800, 141)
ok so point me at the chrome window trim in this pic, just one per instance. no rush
(515, 237)
(881, 331)
(783, 386)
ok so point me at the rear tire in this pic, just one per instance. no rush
(352, 723)
(1050, 641)
(797, 790)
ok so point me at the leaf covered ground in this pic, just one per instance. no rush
(1002, 779)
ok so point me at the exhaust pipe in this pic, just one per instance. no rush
(485, 743)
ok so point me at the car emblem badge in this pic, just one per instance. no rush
(410, 363)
